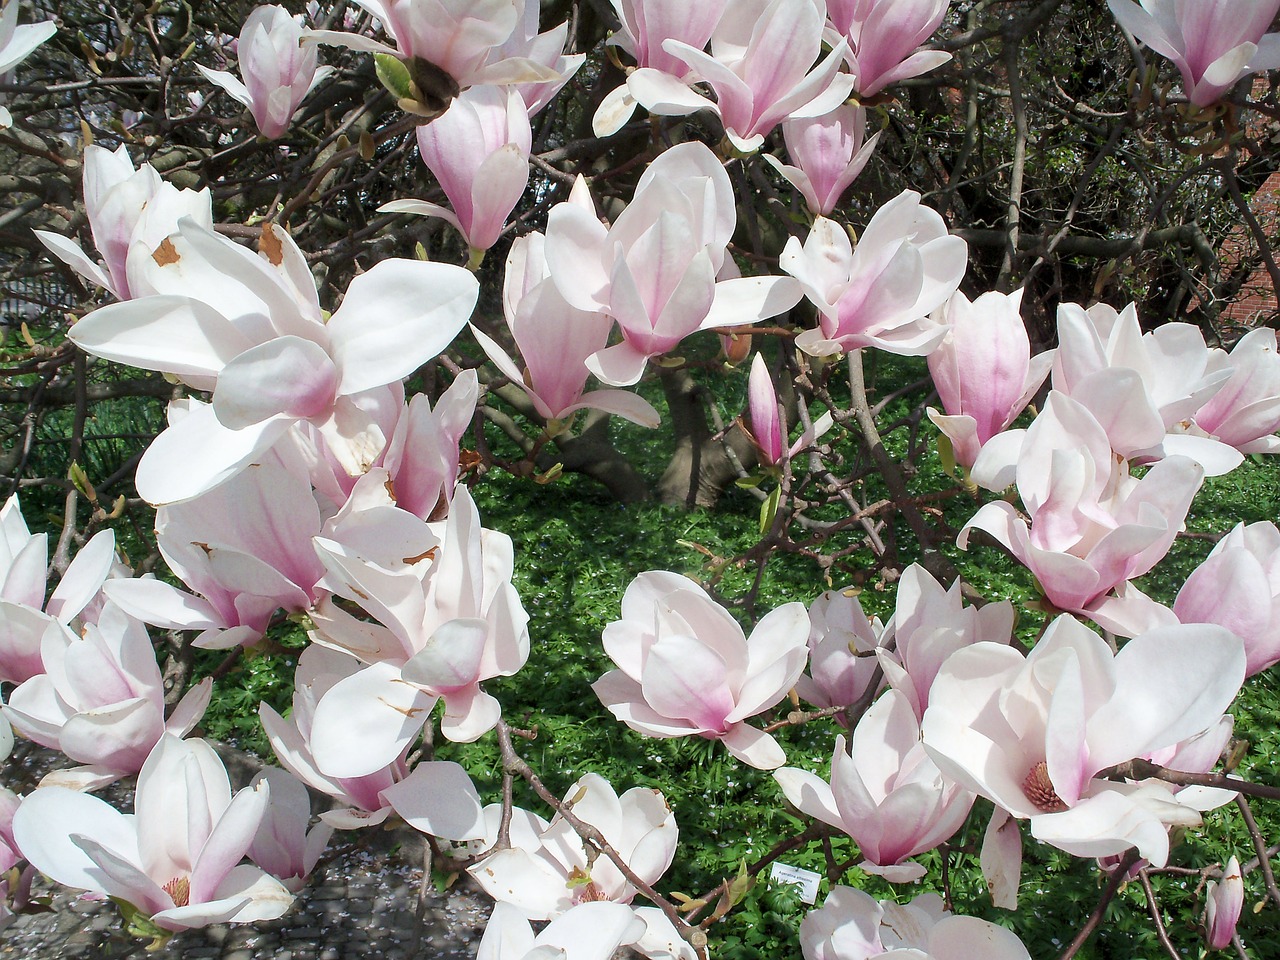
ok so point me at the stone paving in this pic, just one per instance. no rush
(360, 904)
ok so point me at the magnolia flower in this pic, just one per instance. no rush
(279, 71)
(555, 340)
(884, 37)
(590, 931)
(1093, 527)
(983, 370)
(881, 294)
(1245, 411)
(364, 799)
(243, 571)
(250, 328)
(655, 269)
(646, 25)
(685, 667)
(828, 153)
(100, 700)
(851, 925)
(1223, 904)
(447, 621)
(767, 427)
(1141, 387)
(176, 859)
(929, 624)
(283, 846)
(1213, 43)
(546, 49)
(548, 876)
(842, 645)
(1238, 587)
(884, 792)
(449, 44)
(478, 150)
(131, 212)
(25, 616)
(1033, 734)
(759, 68)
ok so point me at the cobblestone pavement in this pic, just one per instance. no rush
(360, 904)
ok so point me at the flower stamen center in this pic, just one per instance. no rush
(1040, 791)
(179, 889)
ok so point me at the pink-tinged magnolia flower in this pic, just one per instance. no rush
(131, 212)
(363, 799)
(687, 669)
(1238, 587)
(929, 624)
(1213, 43)
(100, 700)
(447, 621)
(884, 37)
(1032, 734)
(842, 645)
(1223, 904)
(278, 69)
(17, 43)
(828, 153)
(759, 68)
(590, 931)
(283, 846)
(549, 876)
(1245, 411)
(555, 339)
(250, 328)
(655, 269)
(176, 858)
(244, 569)
(1141, 387)
(527, 45)
(646, 24)
(24, 614)
(456, 37)
(767, 427)
(1093, 527)
(983, 370)
(884, 792)
(851, 925)
(479, 152)
(881, 293)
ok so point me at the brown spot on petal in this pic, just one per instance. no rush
(271, 246)
(428, 555)
(1040, 791)
(166, 253)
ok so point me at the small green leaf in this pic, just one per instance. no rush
(768, 509)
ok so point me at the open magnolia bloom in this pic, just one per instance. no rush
(555, 339)
(655, 270)
(25, 616)
(884, 37)
(131, 212)
(884, 792)
(1033, 734)
(278, 69)
(590, 931)
(250, 328)
(828, 153)
(1093, 526)
(851, 925)
(1143, 388)
(176, 859)
(761, 67)
(283, 845)
(100, 700)
(1245, 412)
(1213, 43)
(447, 621)
(550, 875)
(685, 667)
(879, 294)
